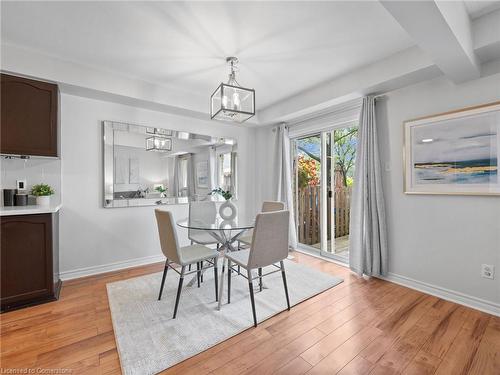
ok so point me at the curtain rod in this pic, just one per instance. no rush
(375, 97)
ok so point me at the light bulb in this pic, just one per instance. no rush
(236, 101)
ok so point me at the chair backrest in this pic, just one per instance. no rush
(205, 211)
(270, 206)
(168, 235)
(270, 239)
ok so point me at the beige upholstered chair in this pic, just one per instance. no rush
(269, 246)
(183, 256)
(267, 206)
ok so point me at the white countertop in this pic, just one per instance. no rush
(29, 210)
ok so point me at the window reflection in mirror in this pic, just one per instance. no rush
(152, 166)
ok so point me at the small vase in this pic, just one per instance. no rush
(43, 200)
(228, 211)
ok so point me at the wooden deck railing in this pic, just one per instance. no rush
(308, 214)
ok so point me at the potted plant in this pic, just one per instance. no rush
(160, 189)
(42, 192)
(223, 193)
(227, 210)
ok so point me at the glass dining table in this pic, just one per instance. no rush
(225, 232)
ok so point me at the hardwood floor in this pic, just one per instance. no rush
(359, 327)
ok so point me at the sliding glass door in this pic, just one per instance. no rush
(324, 175)
(307, 171)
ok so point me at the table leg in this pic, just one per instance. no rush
(221, 280)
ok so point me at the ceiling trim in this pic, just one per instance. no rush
(446, 34)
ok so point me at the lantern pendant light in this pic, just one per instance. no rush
(230, 101)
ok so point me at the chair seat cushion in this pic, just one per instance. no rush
(196, 253)
(202, 237)
(239, 257)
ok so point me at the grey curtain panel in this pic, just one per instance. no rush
(283, 177)
(368, 232)
(212, 159)
(176, 177)
(190, 176)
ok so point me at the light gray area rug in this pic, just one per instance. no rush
(149, 340)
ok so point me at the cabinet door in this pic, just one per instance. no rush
(26, 256)
(29, 117)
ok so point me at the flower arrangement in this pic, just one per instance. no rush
(41, 190)
(225, 194)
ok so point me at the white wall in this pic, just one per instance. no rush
(91, 236)
(436, 243)
(265, 160)
(34, 171)
(438, 240)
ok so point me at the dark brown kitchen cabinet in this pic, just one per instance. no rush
(29, 117)
(29, 260)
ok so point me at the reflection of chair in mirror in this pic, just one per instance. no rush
(183, 256)
(205, 212)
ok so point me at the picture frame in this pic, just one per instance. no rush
(202, 174)
(453, 153)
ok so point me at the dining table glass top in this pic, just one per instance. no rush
(239, 223)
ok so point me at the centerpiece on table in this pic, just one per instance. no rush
(227, 210)
(42, 192)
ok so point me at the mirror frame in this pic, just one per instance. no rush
(108, 128)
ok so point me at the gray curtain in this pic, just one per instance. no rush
(175, 191)
(212, 172)
(190, 176)
(283, 177)
(368, 236)
(234, 174)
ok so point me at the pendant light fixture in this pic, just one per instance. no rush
(230, 101)
(158, 144)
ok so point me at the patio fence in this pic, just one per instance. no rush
(309, 214)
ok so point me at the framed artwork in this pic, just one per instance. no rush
(453, 153)
(202, 174)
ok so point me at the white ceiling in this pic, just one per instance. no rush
(478, 8)
(284, 47)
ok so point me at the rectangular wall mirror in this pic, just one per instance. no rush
(146, 166)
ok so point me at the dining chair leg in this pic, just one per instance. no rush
(201, 270)
(216, 281)
(239, 273)
(252, 299)
(198, 273)
(163, 279)
(229, 271)
(179, 289)
(284, 284)
(260, 279)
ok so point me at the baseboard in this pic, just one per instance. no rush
(446, 294)
(116, 266)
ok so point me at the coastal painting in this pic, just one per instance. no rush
(454, 153)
